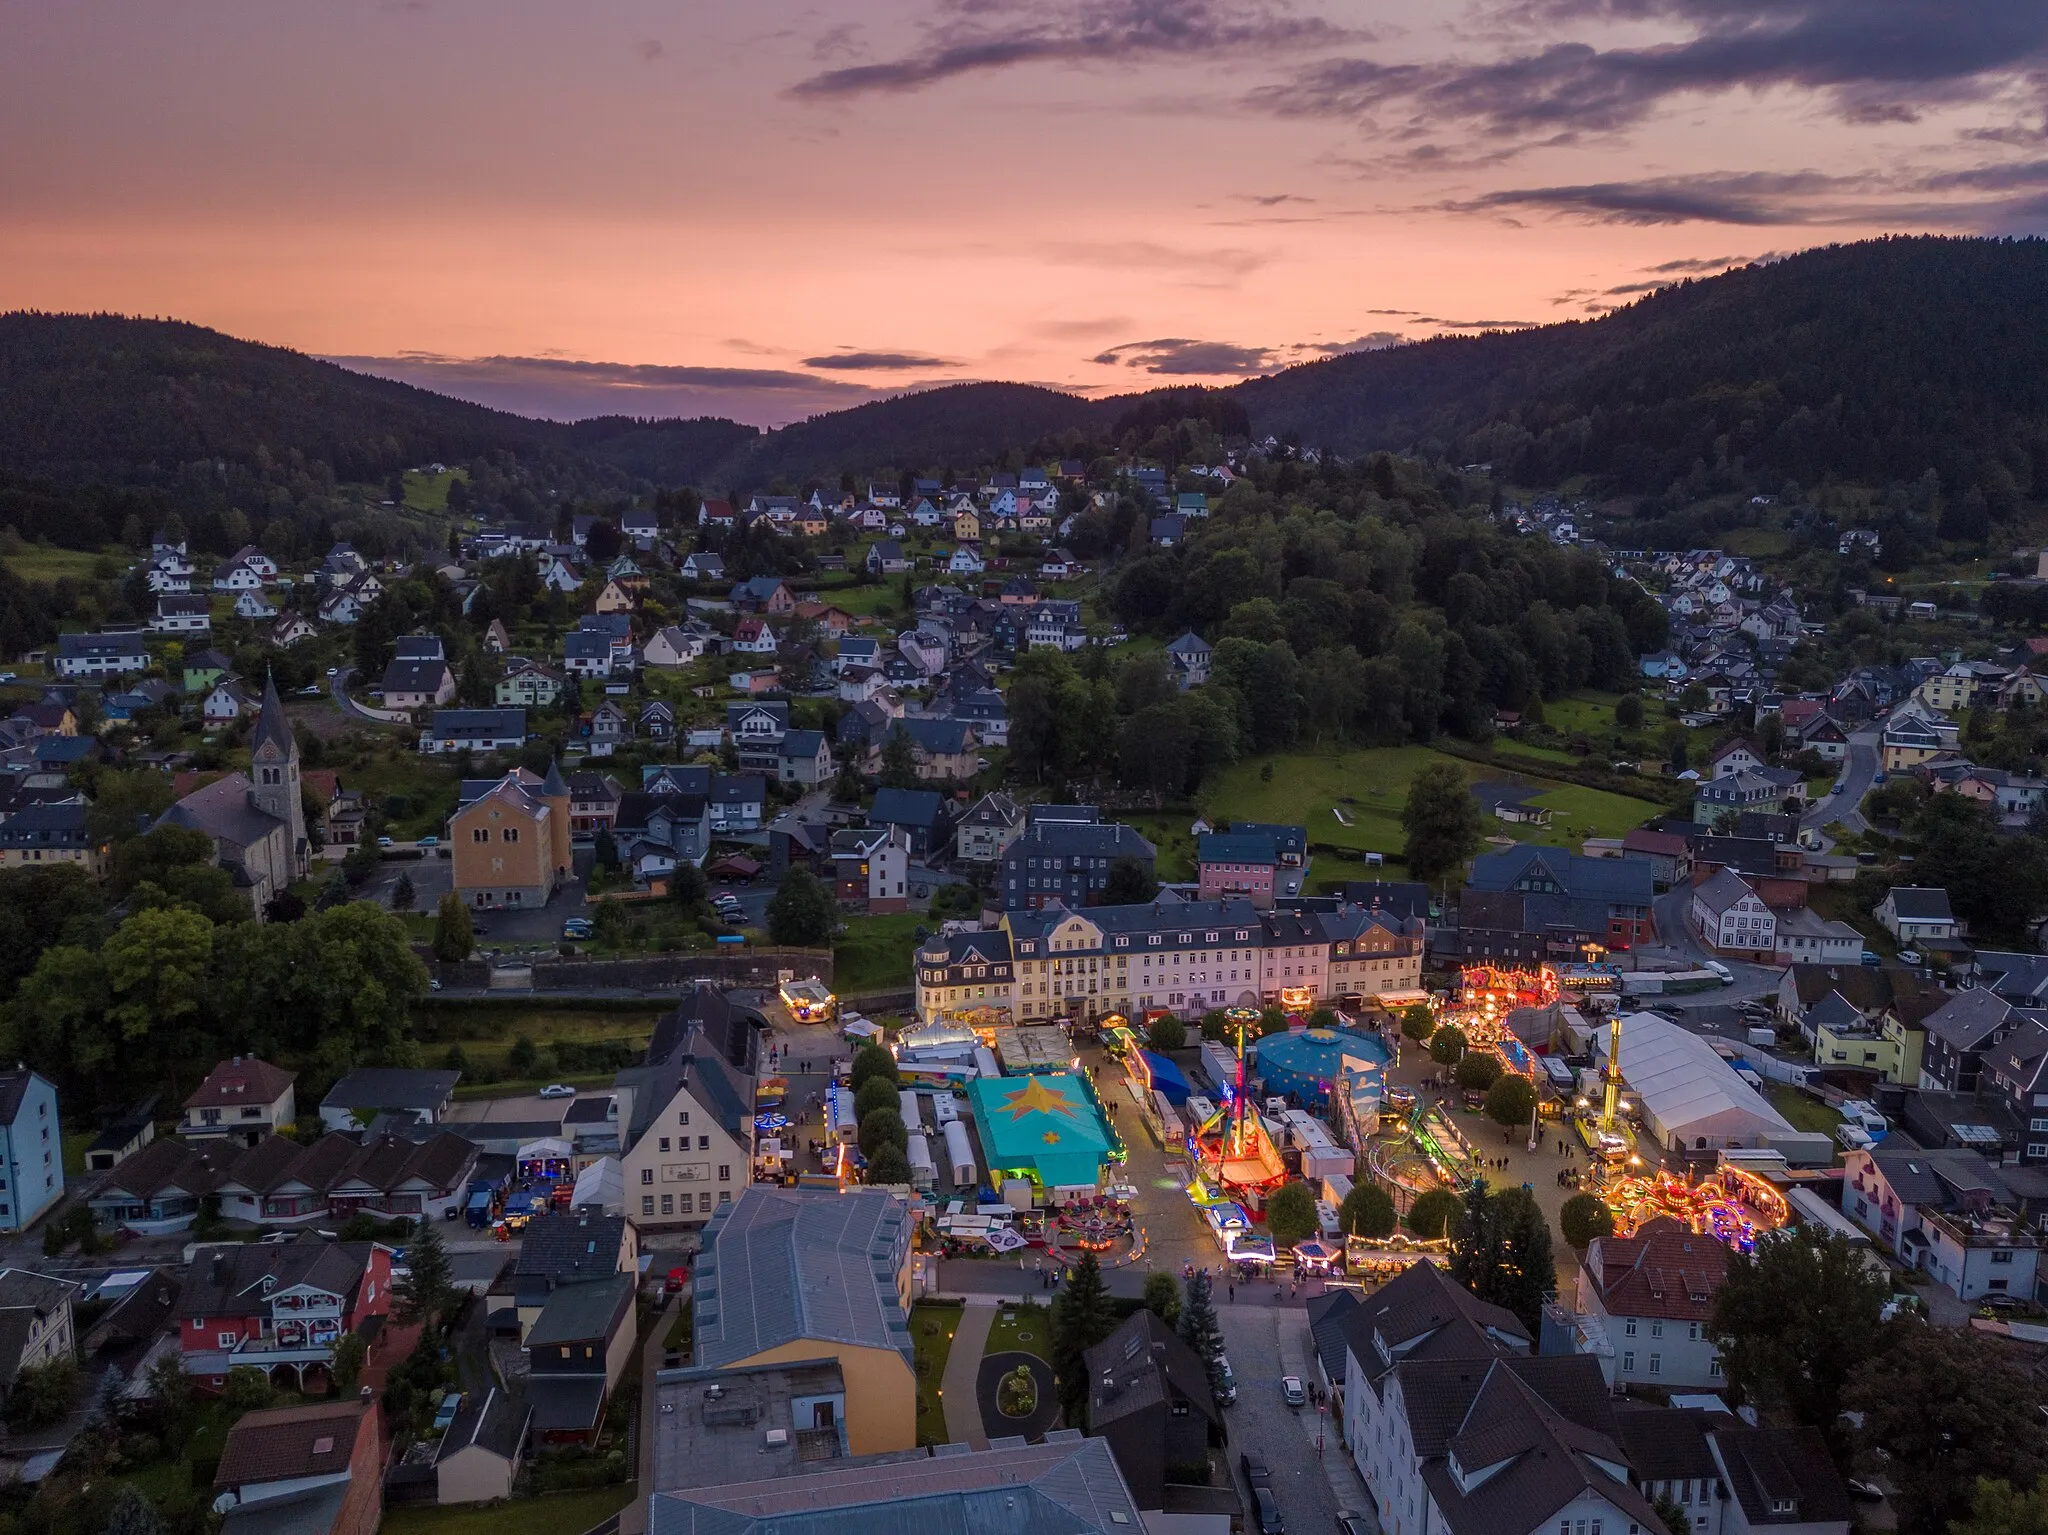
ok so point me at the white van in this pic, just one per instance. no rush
(1229, 1393)
(1717, 968)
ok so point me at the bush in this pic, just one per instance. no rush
(1418, 1022)
(1475, 1072)
(1585, 1217)
(1291, 1214)
(247, 1389)
(1447, 1044)
(1168, 1033)
(43, 1393)
(1367, 1211)
(1511, 1099)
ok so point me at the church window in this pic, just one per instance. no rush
(511, 834)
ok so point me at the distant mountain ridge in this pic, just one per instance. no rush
(1870, 362)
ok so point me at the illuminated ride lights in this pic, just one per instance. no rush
(1730, 1204)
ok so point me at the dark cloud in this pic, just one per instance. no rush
(978, 36)
(1409, 312)
(1069, 330)
(1178, 355)
(1875, 60)
(840, 42)
(1268, 199)
(1750, 197)
(650, 49)
(1372, 341)
(864, 362)
(560, 389)
(1700, 264)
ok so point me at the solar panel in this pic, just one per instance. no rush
(1975, 1135)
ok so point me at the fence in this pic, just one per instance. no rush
(654, 972)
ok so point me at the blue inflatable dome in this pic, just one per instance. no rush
(1307, 1064)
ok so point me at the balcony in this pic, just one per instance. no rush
(1992, 1228)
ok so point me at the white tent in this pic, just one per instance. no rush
(960, 1154)
(907, 1101)
(602, 1183)
(923, 1172)
(1691, 1099)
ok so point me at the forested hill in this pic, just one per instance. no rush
(1871, 363)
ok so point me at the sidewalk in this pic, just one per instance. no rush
(633, 1517)
(963, 1370)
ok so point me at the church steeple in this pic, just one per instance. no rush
(274, 772)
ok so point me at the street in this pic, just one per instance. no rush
(1313, 1477)
(1859, 773)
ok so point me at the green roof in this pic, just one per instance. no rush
(1047, 1125)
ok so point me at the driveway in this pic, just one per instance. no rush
(1859, 773)
(338, 686)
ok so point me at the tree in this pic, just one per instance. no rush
(1167, 1033)
(687, 886)
(888, 1166)
(1442, 822)
(1291, 1214)
(403, 896)
(1793, 1320)
(899, 761)
(1081, 1318)
(132, 1514)
(1130, 883)
(454, 937)
(1675, 1519)
(1999, 1508)
(1418, 1022)
(44, 1393)
(1162, 1296)
(878, 1092)
(350, 1351)
(1447, 1045)
(1200, 1331)
(426, 1294)
(1628, 711)
(1947, 1407)
(605, 851)
(247, 1389)
(1500, 1251)
(1476, 1072)
(1584, 1217)
(1367, 1211)
(802, 913)
(883, 1127)
(1510, 1100)
(1434, 1213)
(869, 1061)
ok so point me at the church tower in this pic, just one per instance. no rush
(274, 774)
(555, 791)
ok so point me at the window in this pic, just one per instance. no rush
(511, 834)
(480, 834)
(683, 1117)
(1657, 1329)
(668, 1204)
(724, 1173)
(1628, 1360)
(664, 1143)
(725, 1196)
(1628, 1327)
(703, 1143)
(646, 1204)
(647, 1173)
(704, 1202)
(224, 1339)
(1714, 1367)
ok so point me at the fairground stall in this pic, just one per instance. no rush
(808, 1001)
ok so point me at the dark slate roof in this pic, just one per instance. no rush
(1326, 1314)
(1614, 880)
(13, 1088)
(1668, 1444)
(493, 1420)
(406, 675)
(1769, 1466)
(272, 728)
(1921, 903)
(565, 1404)
(583, 1313)
(571, 1247)
(1066, 839)
(1140, 1367)
(1968, 1019)
(907, 807)
(391, 1088)
(1237, 847)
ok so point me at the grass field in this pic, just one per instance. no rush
(1805, 1113)
(429, 492)
(429, 790)
(931, 1334)
(1026, 1330)
(551, 1515)
(874, 953)
(1370, 785)
(36, 563)
(1757, 543)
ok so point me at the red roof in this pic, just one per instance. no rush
(1643, 840)
(1665, 1270)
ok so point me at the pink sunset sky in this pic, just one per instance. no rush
(772, 208)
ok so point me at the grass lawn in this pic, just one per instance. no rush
(36, 563)
(1370, 785)
(554, 1514)
(874, 953)
(429, 492)
(1805, 1113)
(1756, 543)
(1026, 1330)
(75, 1142)
(931, 1332)
(488, 1034)
(1591, 712)
(428, 789)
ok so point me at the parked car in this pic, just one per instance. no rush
(383, 843)
(1254, 1468)
(1229, 1392)
(1268, 1508)
(558, 1090)
(1909, 956)
(1352, 1524)
(428, 842)
(1292, 1392)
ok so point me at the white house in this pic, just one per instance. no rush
(1916, 913)
(1732, 919)
(965, 562)
(674, 645)
(253, 605)
(182, 615)
(1645, 1301)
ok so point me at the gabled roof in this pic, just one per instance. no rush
(1968, 1019)
(571, 1247)
(1142, 1367)
(493, 1420)
(583, 1313)
(908, 807)
(391, 1088)
(1920, 903)
(1665, 1270)
(284, 1443)
(241, 1081)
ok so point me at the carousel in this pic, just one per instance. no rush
(1488, 993)
(1382, 1258)
(1233, 1154)
(1730, 1204)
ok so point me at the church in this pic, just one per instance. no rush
(257, 820)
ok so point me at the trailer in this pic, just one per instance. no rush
(924, 1174)
(912, 1120)
(960, 1156)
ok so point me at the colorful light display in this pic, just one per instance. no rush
(1730, 1204)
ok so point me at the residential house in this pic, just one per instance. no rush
(704, 564)
(1238, 865)
(1731, 918)
(1758, 789)
(159, 1189)
(2013, 1075)
(203, 668)
(965, 560)
(989, 826)
(1067, 863)
(655, 832)
(563, 1250)
(805, 757)
(182, 615)
(36, 1323)
(870, 867)
(254, 606)
(279, 1308)
(1960, 1034)
(1556, 903)
(764, 594)
(315, 1470)
(1149, 1396)
(753, 636)
(677, 645)
(420, 1097)
(1949, 1214)
(228, 700)
(1668, 855)
(473, 730)
(111, 654)
(576, 1350)
(496, 640)
(609, 728)
(1917, 914)
(642, 527)
(920, 812)
(1650, 1297)
(613, 598)
(593, 804)
(123, 1138)
(811, 1274)
(657, 721)
(942, 750)
(1803, 936)
(686, 1118)
(1734, 757)
(423, 683)
(1168, 532)
(756, 730)
(290, 629)
(885, 557)
(241, 1101)
(527, 685)
(1913, 734)
(587, 653)
(46, 834)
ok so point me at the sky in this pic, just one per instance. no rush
(773, 208)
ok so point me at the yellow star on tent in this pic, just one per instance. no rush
(1051, 1137)
(1034, 1097)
